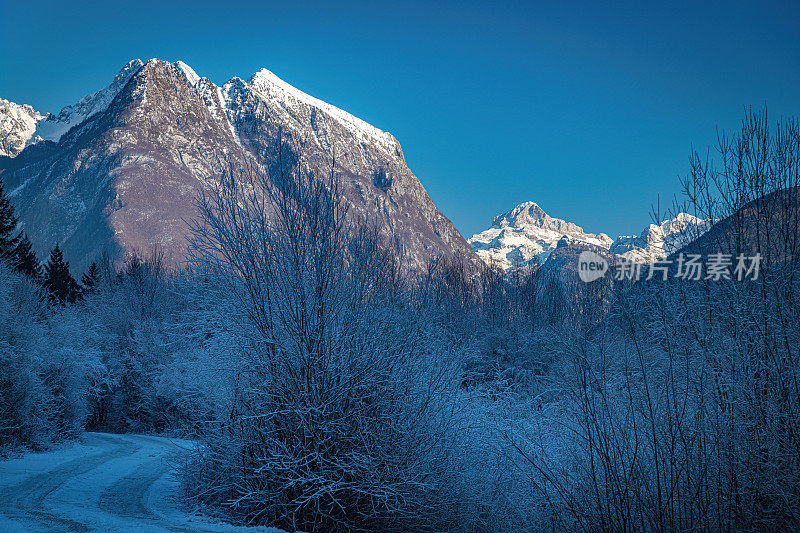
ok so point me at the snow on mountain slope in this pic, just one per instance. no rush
(191, 75)
(127, 162)
(657, 241)
(17, 126)
(527, 235)
(274, 89)
(53, 127)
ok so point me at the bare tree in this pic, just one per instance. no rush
(340, 418)
(684, 410)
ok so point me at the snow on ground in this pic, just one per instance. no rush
(103, 482)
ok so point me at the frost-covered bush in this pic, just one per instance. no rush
(680, 410)
(146, 381)
(340, 415)
(44, 368)
(71, 366)
(24, 398)
(359, 437)
(677, 414)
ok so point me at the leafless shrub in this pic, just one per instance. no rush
(340, 418)
(682, 412)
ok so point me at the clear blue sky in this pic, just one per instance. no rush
(588, 110)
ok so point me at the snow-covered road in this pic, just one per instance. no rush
(103, 482)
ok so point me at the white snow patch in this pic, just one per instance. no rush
(191, 75)
(19, 189)
(17, 126)
(273, 88)
(53, 127)
(526, 235)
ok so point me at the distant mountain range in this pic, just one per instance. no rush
(119, 169)
(526, 235)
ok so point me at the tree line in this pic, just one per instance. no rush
(54, 275)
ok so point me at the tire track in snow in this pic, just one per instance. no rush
(127, 496)
(26, 500)
(119, 483)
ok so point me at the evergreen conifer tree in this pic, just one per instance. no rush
(8, 226)
(58, 281)
(25, 259)
(91, 278)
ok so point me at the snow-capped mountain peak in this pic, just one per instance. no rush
(274, 89)
(524, 213)
(657, 241)
(21, 125)
(526, 235)
(52, 127)
(128, 173)
(17, 125)
(191, 75)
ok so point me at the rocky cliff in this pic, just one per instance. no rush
(119, 170)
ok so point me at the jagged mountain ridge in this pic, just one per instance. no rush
(124, 174)
(21, 125)
(17, 126)
(526, 235)
(658, 241)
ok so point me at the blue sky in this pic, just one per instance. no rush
(588, 110)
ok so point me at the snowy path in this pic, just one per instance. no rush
(103, 483)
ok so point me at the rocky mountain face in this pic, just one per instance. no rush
(526, 235)
(657, 241)
(21, 125)
(17, 126)
(119, 170)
